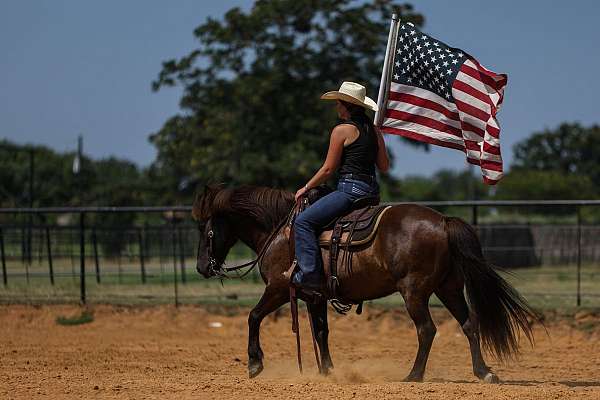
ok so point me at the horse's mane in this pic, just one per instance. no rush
(266, 206)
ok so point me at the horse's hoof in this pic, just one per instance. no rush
(491, 378)
(254, 370)
(413, 378)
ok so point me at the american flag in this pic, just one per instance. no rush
(441, 95)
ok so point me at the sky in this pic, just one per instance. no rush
(82, 67)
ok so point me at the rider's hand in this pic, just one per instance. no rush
(300, 193)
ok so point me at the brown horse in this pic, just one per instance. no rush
(416, 251)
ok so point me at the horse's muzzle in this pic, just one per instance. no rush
(204, 271)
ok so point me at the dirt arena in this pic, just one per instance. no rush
(161, 352)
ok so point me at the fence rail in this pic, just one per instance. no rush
(542, 244)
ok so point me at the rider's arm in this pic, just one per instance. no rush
(382, 161)
(334, 155)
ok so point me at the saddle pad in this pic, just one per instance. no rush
(364, 231)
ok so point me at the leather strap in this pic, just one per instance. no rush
(295, 325)
(336, 236)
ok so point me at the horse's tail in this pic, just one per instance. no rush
(502, 312)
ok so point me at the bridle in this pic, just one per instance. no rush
(214, 269)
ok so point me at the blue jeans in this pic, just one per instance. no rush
(309, 224)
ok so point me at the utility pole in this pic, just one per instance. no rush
(77, 160)
(30, 199)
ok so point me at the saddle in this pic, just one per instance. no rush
(347, 233)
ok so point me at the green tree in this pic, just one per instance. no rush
(443, 185)
(522, 184)
(569, 149)
(251, 104)
(109, 181)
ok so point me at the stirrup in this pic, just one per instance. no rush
(287, 275)
(312, 296)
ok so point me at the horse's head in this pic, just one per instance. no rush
(215, 241)
(216, 236)
(223, 214)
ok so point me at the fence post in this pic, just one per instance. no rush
(174, 246)
(141, 245)
(95, 248)
(2, 255)
(49, 251)
(578, 256)
(181, 256)
(82, 257)
(474, 214)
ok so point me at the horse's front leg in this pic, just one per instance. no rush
(271, 300)
(318, 312)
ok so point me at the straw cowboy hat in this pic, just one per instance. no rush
(352, 93)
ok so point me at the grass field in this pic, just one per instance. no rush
(121, 283)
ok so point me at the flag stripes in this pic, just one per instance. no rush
(442, 96)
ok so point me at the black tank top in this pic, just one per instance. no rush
(359, 156)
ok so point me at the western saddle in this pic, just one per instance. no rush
(346, 234)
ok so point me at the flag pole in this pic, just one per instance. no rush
(385, 73)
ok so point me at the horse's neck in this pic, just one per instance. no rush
(250, 233)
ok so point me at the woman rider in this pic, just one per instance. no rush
(355, 148)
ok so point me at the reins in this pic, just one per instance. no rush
(223, 270)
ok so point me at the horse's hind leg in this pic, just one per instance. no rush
(271, 300)
(318, 314)
(451, 294)
(417, 305)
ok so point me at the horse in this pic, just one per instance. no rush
(416, 251)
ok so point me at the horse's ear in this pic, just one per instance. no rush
(222, 200)
(197, 205)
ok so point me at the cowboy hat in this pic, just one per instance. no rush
(352, 93)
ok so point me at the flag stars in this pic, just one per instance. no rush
(455, 61)
(396, 77)
(445, 63)
(448, 72)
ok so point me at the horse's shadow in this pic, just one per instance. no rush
(570, 384)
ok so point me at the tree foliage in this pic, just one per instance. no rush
(251, 88)
(110, 181)
(568, 149)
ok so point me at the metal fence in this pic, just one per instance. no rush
(73, 255)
